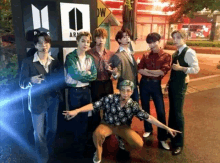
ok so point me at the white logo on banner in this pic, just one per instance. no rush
(74, 18)
(40, 18)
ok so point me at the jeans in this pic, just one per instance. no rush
(77, 98)
(152, 88)
(44, 141)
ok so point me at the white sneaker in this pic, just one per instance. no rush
(95, 158)
(165, 145)
(146, 134)
(121, 144)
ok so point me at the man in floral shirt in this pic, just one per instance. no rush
(118, 109)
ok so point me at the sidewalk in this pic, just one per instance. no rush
(195, 85)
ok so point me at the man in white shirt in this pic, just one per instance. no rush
(184, 63)
(42, 75)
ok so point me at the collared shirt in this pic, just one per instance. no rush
(45, 65)
(191, 59)
(128, 52)
(156, 61)
(100, 62)
(77, 71)
(114, 114)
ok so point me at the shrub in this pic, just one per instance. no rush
(8, 72)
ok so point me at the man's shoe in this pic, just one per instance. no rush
(177, 150)
(146, 134)
(121, 144)
(95, 158)
(164, 145)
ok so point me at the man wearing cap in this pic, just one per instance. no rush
(118, 110)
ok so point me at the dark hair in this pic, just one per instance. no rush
(119, 35)
(153, 37)
(100, 32)
(43, 34)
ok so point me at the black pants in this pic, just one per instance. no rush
(152, 88)
(177, 92)
(77, 127)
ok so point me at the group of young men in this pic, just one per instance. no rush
(89, 75)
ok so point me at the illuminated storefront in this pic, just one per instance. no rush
(150, 18)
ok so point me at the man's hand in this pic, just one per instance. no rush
(108, 66)
(166, 88)
(114, 71)
(37, 79)
(177, 66)
(173, 132)
(70, 114)
(89, 72)
(138, 60)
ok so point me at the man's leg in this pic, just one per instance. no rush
(176, 118)
(51, 118)
(145, 102)
(132, 139)
(40, 138)
(79, 97)
(159, 105)
(99, 135)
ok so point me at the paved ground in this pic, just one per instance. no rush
(202, 133)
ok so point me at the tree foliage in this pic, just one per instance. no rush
(6, 24)
(189, 7)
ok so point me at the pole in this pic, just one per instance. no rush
(134, 24)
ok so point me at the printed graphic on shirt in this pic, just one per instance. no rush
(74, 19)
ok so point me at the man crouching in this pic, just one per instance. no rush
(118, 110)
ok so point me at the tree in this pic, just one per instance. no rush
(6, 24)
(189, 7)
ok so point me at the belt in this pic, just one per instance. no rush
(79, 88)
(150, 79)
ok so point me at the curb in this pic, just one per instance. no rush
(199, 84)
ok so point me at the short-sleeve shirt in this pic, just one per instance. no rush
(115, 115)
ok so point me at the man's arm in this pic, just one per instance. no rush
(191, 60)
(165, 67)
(25, 79)
(154, 121)
(116, 65)
(146, 73)
(71, 114)
(93, 74)
(76, 74)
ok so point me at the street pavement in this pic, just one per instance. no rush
(202, 130)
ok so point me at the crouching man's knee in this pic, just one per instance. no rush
(137, 145)
(98, 137)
